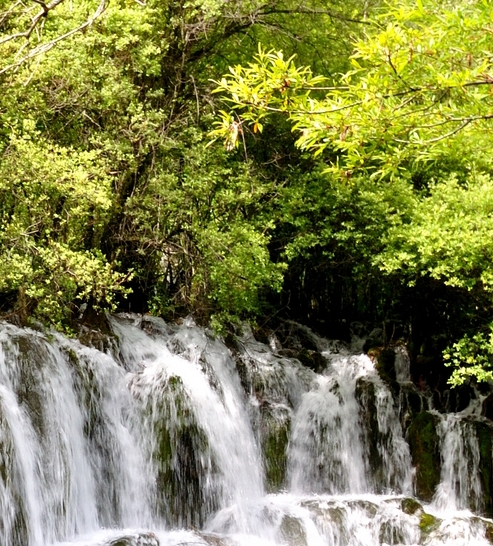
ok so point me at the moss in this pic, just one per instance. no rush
(275, 431)
(424, 445)
(427, 524)
(183, 461)
(410, 506)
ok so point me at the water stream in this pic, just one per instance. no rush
(164, 436)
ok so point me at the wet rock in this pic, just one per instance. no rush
(427, 524)
(425, 453)
(32, 354)
(488, 531)
(384, 359)
(311, 359)
(292, 532)
(410, 506)
(391, 533)
(214, 540)
(375, 339)
(365, 395)
(459, 398)
(411, 402)
(137, 539)
(274, 430)
(106, 341)
(370, 508)
(295, 336)
(95, 331)
(484, 432)
(487, 407)
(13, 521)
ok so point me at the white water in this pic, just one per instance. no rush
(161, 442)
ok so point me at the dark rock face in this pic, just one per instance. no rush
(459, 398)
(412, 401)
(309, 358)
(484, 433)
(365, 394)
(487, 409)
(425, 453)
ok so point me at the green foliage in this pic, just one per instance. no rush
(472, 356)
(405, 132)
(446, 236)
(107, 184)
(417, 88)
(55, 203)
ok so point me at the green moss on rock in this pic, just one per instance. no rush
(410, 506)
(275, 430)
(183, 461)
(424, 446)
(427, 524)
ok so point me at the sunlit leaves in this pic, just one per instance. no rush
(420, 77)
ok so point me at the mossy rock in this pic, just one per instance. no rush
(183, 461)
(427, 524)
(410, 506)
(425, 453)
(275, 429)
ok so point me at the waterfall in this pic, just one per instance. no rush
(165, 436)
(460, 487)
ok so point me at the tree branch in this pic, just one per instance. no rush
(44, 48)
(46, 8)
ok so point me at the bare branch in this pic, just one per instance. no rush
(46, 8)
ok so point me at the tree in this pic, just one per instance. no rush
(109, 187)
(416, 107)
(420, 83)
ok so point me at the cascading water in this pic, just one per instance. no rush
(460, 486)
(168, 437)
